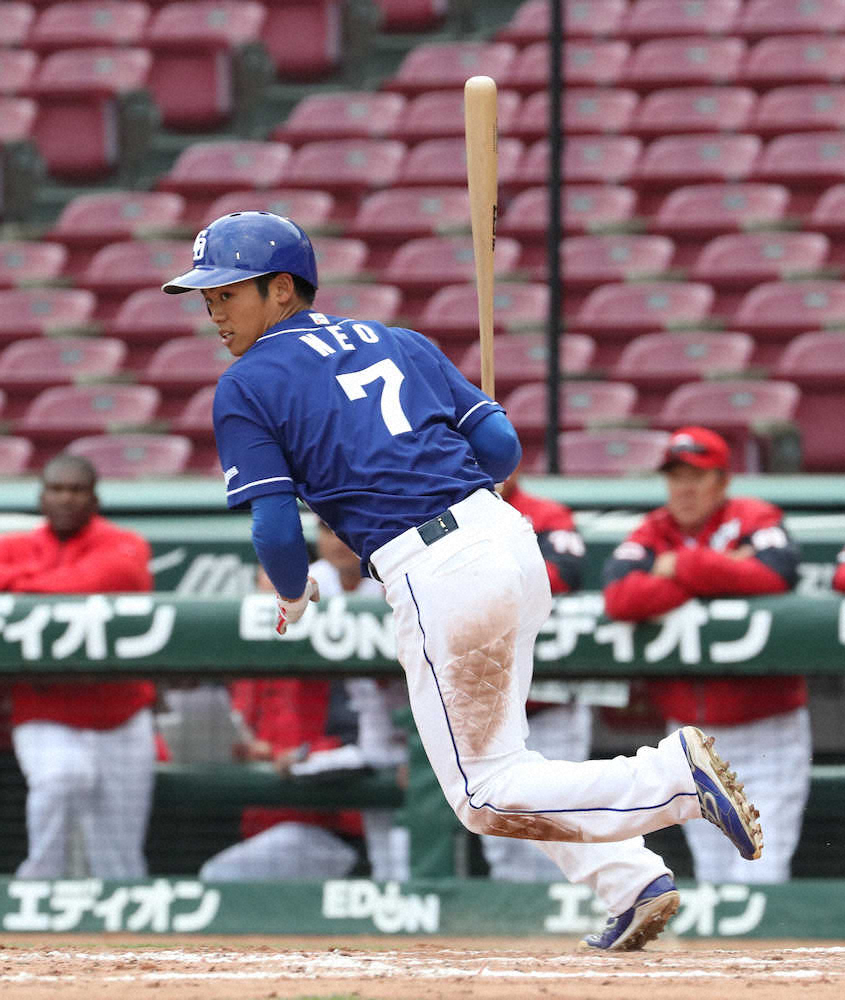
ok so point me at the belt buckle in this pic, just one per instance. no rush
(437, 527)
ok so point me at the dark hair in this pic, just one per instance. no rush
(304, 289)
(77, 462)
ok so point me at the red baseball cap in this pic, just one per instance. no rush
(696, 446)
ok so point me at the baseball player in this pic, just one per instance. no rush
(390, 445)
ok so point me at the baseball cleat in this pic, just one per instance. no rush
(720, 795)
(640, 923)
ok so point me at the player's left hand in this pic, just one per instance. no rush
(290, 610)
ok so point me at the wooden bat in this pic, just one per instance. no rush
(482, 182)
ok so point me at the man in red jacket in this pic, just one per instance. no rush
(86, 749)
(702, 544)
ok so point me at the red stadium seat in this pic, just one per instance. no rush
(695, 159)
(443, 161)
(17, 118)
(618, 451)
(345, 115)
(34, 312)
(586, 208)
(194, 45)
(88, 23)
(134, 456)
(304, 38)
(740, 260)
(586, 160)
(412, 15)
(82, 130)
(815, 362)
(25, 262)
(828, 213)
(206, 170)
(654, 18)
(585, 111)
(784, 61)
(761, 18)
(582, 404)
(451, 314)
(523, 357)
(440, 114)
(379, 303)
(339, 258)
(656, 363)
(777, 310)
(684, 62)
(16, 23)
(592, 19)
(195, 422)
(794, 109)
(448, 65)
(183, 365)
(585, 64)
(425, 264)
(587, 261)
(803, 160)
(147, 319)
(313, 210)
(386, 218)
(694, 109)
(703, 210)
(29, 366)
(15, 455)
(17, 70)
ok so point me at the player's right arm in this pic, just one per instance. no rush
(632, 590)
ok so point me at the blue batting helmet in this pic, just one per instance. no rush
(245, 245)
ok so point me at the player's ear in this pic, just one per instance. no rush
(281, 288)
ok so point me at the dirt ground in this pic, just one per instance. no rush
(124, 967)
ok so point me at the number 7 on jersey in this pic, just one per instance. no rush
(353, 384)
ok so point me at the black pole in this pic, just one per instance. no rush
(554, 235)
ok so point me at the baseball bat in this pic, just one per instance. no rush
(482, 183)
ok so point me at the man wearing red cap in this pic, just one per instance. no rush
(702, 544)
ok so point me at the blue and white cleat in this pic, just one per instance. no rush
(640, 923)
(722, 799)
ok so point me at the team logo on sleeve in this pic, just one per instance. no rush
(230, 474)
(630, 552)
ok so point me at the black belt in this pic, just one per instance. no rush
(429, 532)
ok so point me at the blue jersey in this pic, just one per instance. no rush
(367, 424)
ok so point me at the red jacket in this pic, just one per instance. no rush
(559, 542)
(839, 575)
(102, 558)
(705, 569)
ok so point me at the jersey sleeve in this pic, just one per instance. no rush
(839, 573)
(631, 591)
(253, 462)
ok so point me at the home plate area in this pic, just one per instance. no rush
(411, 969)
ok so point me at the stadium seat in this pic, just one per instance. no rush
(17, 70)
(695, 159)
(582, 404)
(761, 18)
(698, 211)
(134, 456)
(304, 38)
(89, 23)
(29, 366)
(694, 109)
(788, 61)
(447, 65)
(16, 23)
(24, 262)
(523, 357)
(794, 109)
(427, 263)
(586, 160)
(803, 160)
(440, 114)
(183, 365)
(34, 312)
(618, 451)
(684, 62)
(648, 19)
(588, 261)
(586, 208)
(340, 258)
(744, 411)
(443, 161)
(740, 260)
(61, 413)
(362, 301)
(389, 217)
(128, 265)
(17, 118)
(584, 111)
(828, 213)
(97, 97)
(146, 319)
(451, 314)
(344, 115)
(313, 210)
(815, 362)
(206, 170)
(585, 64)
(195, 46)
(412, 15)
(15, 455)
(656, 363)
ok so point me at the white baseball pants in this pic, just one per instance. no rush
(467, 609)
(97, 782)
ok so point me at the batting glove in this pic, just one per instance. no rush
(291, 611)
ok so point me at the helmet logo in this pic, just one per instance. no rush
(200, 244)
